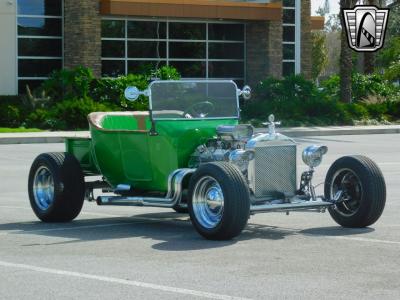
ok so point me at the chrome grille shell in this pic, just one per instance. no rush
(273, 171)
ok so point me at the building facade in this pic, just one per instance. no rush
(240, 40)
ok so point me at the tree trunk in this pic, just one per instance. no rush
(369, 57)
(346, 64)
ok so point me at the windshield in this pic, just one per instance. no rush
(193, 99)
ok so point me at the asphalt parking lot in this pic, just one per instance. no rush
(150, 253)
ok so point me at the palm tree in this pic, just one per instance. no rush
(369, 57)
(346, 64)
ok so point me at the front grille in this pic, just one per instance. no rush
(273, 171)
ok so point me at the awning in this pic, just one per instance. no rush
(317, 22)
(193, 9)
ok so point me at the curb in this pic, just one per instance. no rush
(324, 131)
(40, 137)
(59, 137)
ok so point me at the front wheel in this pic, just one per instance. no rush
(56, 187)
(357, 183)
(219, 202)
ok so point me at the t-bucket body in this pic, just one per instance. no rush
(142, 149)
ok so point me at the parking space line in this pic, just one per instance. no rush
(361, 239)
(127, 282)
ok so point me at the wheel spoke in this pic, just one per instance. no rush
(348, 183)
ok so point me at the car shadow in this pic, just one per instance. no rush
(169, 231)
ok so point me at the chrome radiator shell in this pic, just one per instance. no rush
(273, 171)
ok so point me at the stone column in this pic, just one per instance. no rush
(263, 50)
(306, 41)
(82, 34)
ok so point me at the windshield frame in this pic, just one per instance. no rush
(237, 117)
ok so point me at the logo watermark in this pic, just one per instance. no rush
(365, 27)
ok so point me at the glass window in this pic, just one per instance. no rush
(227, 32)
(226, 69)
(113, 29)
(288, 68)
(40, 7)
(226, 50)
(113, 49)
(289, 16)
(147, 30)
(141, 49)
(288, 33)
(187, 31)
(39, 47)
(38, 67)
(288, 3)
(39, 26)
(144, 66)
(288, 51)
(32, 84)
(187, 50)
(113, 68)
(190, 69)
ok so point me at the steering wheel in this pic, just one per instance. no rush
(199, 110)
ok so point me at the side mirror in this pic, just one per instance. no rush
(132, 93)
(245, 92)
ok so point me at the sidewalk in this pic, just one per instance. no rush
(58, 137)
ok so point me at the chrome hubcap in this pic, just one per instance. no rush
(208, 202)
(43, 188)
(346, 188)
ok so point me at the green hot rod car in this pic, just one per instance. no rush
(189, 153)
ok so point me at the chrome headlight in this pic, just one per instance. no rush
(312, 155)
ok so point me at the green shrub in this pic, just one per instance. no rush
(363, 86)
(68, 84)
(296, 101)
(10, 116)
(75, 93)
(356, 111)
(166, 73)
(371, 84)
(74, 112)
(393, 109)
(67, 115)
(13, 111)
(111, 90)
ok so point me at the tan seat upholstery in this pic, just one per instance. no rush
(96, 119)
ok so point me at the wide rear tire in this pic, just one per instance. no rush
(363, 187)
(56, 187)
(219, 201)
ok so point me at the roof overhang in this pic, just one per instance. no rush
(204, 9)
(317, 22)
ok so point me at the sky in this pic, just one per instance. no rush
(333, 5)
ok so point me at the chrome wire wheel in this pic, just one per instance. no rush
(347, 189)
(208, 202)
(43, 188)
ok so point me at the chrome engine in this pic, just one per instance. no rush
(268, 161)
(228, 146)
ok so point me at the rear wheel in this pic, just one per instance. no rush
(358, 184)
(219, 203)
(56, 187)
